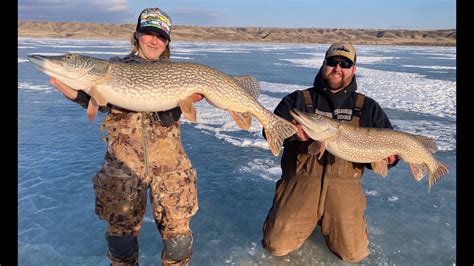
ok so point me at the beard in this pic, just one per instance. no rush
(336, 83)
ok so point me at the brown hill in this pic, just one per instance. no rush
(84, 30)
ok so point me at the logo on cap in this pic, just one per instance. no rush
(343, 49)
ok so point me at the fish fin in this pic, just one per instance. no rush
(188, 110)
(380, 167)
(438, 173)
(314, 148)
(428, 142)
(249, 83)
(243, 120)
(99, 99)
(277, 133)
(418, 170)
(317, 147)
(322, 149)
(92, 108)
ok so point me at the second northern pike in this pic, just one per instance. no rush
(159, 87)
(373, 145)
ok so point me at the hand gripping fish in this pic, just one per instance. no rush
(159, 87)
(372, 145)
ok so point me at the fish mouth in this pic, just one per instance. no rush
(41, 60)
(44, 63)
(37, 60)
(312, 129)
(50, 65)
(300, 118)
(297, 115)
(294, 113)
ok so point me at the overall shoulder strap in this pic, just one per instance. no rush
(308, 102)
(356, 112)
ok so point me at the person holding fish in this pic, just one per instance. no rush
(144, 152)
(316, 187)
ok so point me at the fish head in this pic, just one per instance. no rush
(316, 126)
(77, 71)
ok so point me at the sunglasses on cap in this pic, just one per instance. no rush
(334, 63)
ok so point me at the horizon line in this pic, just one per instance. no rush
(268, 27)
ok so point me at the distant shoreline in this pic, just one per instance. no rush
(85, 30)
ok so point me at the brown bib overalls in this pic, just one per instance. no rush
(311, 191)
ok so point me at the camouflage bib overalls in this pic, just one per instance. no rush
(142, 154)
(311, 191)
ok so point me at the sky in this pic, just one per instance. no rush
(347, 14)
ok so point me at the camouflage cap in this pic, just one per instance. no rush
(156, 20)
(342, 49)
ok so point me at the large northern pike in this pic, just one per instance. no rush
(372, 145)
(159, 87)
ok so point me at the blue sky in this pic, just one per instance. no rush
(362, 14)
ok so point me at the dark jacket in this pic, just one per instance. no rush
(338, 105)
(165, 118)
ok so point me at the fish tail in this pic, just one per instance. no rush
(277, 132)
(440, 171)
